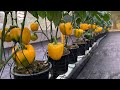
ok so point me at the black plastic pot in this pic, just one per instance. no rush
(59, 66)
(101, 35)
(41, 75)
(73, 55)
(96, 38)
(87, 44)
(104, 33)
(91, 42)
(81, 49)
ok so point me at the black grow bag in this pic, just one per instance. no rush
(91, 42)
(73, 55)
(81, 49)
(101, 35)
(59, 66)
(96, 37)
(87, 44)
(41, 75)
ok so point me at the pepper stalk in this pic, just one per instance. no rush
(55, 40)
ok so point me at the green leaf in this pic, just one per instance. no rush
(83, 15)
(78, 20)
(54, 16)
(34, 13)
(76, 13)
(88, 35)
(42, 14)
(106, 17)
(50, 15)
(67, 18)
(93, 12)
(98, 17)
(57, 18)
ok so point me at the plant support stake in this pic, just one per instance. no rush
(16, 18)
(42, 31)
(3, 33)
(23, 23)
(11, 13)
(51, 31)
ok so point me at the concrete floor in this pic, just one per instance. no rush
(105, 62)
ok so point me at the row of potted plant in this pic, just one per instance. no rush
(85, 26)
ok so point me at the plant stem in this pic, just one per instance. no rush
(16, 18)
(0, 50)
(55, 40)
(3, 34)
(46, 23)
(73, 18)
(42, 31)
(51, 31)
(71, 39)
(9, 57)
(23, 23)
(66, 40)
(11, 17)
(56, 31)
(4, 53)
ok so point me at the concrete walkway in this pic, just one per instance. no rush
(105, 62)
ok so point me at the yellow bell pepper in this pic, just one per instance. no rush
(84, 26)
(55, 50)
(66, 28)
(78, 33)
(24, 57)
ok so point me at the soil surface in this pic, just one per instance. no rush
(35, 67)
